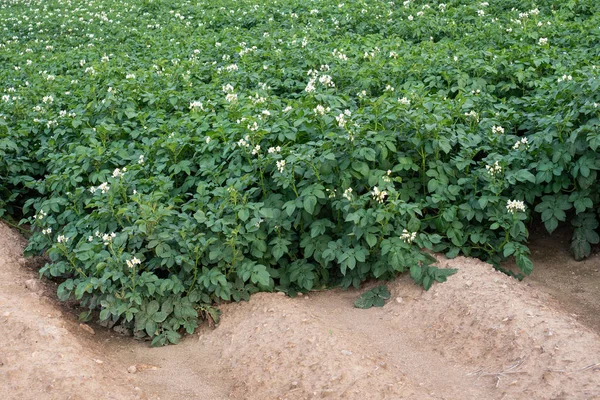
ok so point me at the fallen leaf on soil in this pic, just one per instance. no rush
(145, 367)
(87, 328)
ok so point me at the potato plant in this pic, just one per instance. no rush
(171, 155)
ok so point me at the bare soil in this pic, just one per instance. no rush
(481, 335)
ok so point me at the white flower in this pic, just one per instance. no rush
(348, 194)
(194, 105)
(408, 237)
(133, 262)
(104, 188)
(130, 76)
(228, 88)
(40, 215)
(273, 150)
(388, 88)
(107, 238)
(62, 239)
(253, 127)
(404, 101)
(310, 86)
(472, 114)
(244, 142)
(481, 13)
(141, 159)
(494, 169)
(523, 143)
(497, 129)
(378, 195)
(117, 173)
(47, 231)
(280, 166)
(288, 108)
(326, 80)
(341, 120)
(387, 178)
(543, 41)
(338, 54)
(256, 150)
(320, 110)
(515, 205)
(231, 97)
(410, 17)
(565, 78)
(207, 139)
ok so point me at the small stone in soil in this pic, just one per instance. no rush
(346, 352)
(132, 369)
(34, 285)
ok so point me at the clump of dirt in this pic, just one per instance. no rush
(481, 335)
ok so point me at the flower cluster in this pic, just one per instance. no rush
(118, 173)
(244, 142)
(103, 187)
(320, 110)
(40, 215)
(378, 195)
(408, 237)
(62, 239)
(565, 78)
(338, 54)
(230, 96)
(195, 105)
(348, 194)
(514, 206)
(497, 130)
(47, 231)
(107, 238)
(521, 144)
(472, 114)
(133, 262)
(493, 169)
(387, 176)
(280, 166)
(341, 118)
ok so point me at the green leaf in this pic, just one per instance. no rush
(310, 202)
(152, 307)
(243, 214)
(159, 316)
(361, 167)
(373, 298)
(173, 337)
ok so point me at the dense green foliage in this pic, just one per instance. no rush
(174, 154)
(375, 297)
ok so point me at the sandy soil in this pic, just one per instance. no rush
(481, 335)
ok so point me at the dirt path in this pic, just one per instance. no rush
(481, 335)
